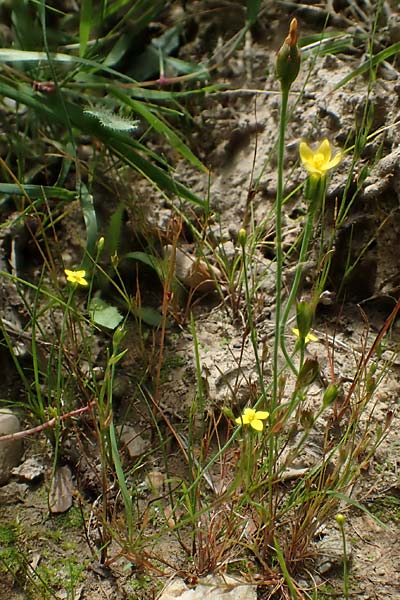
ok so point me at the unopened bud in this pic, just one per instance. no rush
(100, 244)
(288, 59)
(242, 237)
(331, 393)
(340, 519)
(304, 317)
(308, 373)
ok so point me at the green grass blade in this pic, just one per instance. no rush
(162, 128)
(253, 8)
(370, 64)
(37, 191)
(127, 148)
(89, 216)
(85, 25)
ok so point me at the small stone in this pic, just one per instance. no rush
(330, 552)
(61, 491)
(12, 450)
(30, 470)
(212, 587)
(12, 493)
(195, 273)
(156, 480)
(133, 442)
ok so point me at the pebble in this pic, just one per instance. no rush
(212, 587)
(12, 450)
(12, 493)
(133, 442)
(30, 470)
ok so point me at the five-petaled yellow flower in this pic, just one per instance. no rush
(76, 277)
(252, 417)
(318, 162)
(310, 337)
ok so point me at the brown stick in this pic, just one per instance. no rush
(47, 425)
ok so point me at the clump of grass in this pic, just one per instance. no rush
(264, 512)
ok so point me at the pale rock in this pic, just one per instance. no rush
(212, 587)
(10, 451)
(30, 470)
(61, 491)
(12, 493)
(133, 442)
(194, 272)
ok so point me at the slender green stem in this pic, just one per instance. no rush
(278, 297)
(294, 289)
(252, 327)
(340, 521)
(278, 243)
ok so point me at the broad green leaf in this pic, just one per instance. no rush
(147, 259)
(103, 314)
(148, 315)
(89, 216)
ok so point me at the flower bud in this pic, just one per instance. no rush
(242, 237)
(340, 519)
(288, 59)
(331, 393)
(100, 244)
(304, 317)
(307, 374)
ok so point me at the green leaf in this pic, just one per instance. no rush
(103, 314)
(147, 259)
(112, 120)
(37, 191)
(162, 128)
(148, 315)
(85, 25)
(253, 7)
(130, 151)
(373, 62)
(89, 216)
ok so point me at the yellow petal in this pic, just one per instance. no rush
(325, 150)
(257, 425)
(306, 154)
(249, 413)
(239, 421)
(310, 337)
(335, 161)
(261, 414)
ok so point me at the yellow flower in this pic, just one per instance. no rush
(252, 417)
(310, 337)
(76, 277)
(320, 161)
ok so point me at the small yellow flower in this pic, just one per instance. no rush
(252, 417)
(310, 337)
(320, 161)
(76, 277)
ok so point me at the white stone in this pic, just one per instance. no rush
(12, 450)
(212, 587)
